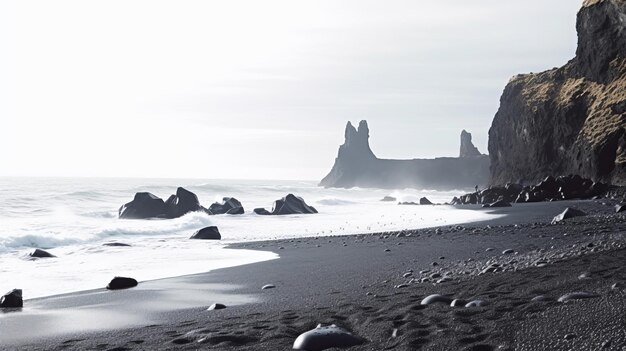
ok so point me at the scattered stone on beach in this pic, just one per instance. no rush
(477, 303)
(577, 296)
(568, 213)
(322, 338)
(268, 286)
(425, 201)
(489, 249)
(541, 298)
(435, 276)
(436, 298)
(116, 244)
(617, 286)
(401, 286)
(570, 336)
(407, 274)
(228, 204)
(122, 283)
(39, 253)
(508, 252)
(387, 250)
(216, 306)
(389, 199)
(12, 299)
(584, 276)
(458, 303)
(620, 208)
(492, 268)
(207, 233)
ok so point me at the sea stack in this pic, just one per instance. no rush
(356, 165)
(572, 119)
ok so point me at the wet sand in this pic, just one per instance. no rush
(372, 285)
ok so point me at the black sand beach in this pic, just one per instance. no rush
(372, 285)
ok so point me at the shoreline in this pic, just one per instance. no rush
(321, 270)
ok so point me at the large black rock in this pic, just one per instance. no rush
(568, 213)
(182, 203)
(39, 253)
(262, 211)
(289, 204)
(122, 283)
(228, 204)
(208, 233)
(144, 205)
(12, 299)
(147, 205)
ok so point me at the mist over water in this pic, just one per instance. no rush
(72, 218)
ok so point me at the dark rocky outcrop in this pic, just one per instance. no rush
(549, 189)
(620, 208)
(467, 147)
(289, 204)
(389, 199)
(119, 283)
(12, 299)
(146, 205)
(39, 253)
(357, 166)
(116, 244)
(229, 205)
(570, 119)
(208, 233)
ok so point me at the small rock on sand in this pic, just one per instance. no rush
(436, 298)
(322, 338)
(458, 303)
(12, 299)
(477, 303)
(268, 286)
(568, 213)
(541, 298)
(620, 208)
(508, 251)
(121, 283)
(577, 296)
(216, 306)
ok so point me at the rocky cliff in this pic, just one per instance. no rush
(569, 120)
(357, 166)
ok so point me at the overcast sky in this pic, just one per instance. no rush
(257, 89)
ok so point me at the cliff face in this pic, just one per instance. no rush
(357, 166)
(569, 120)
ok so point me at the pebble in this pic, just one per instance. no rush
(435, 275)
(577, 296)
(387, 250)
(400, 286)
(407, 274)
(322, 338)
(477, 303)
(436, 298)
(541, 298)
(489, 249)
(570, 336)
(458, 303)
(268, 286)
(508, 251)
(216, 306)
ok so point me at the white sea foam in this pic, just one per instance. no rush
(74, 217)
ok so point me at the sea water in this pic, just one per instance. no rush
(73, 217)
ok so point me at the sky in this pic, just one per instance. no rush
(257, 89)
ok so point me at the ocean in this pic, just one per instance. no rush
(73, 217)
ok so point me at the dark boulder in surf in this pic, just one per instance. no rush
(208, 233)
(228, 203)
(144, 205)
(182, 203)
(289, 204)
(39, 253)
(119, 283)
(425, 201)
(12, 299)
